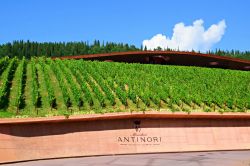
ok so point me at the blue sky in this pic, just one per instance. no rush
(128, 21)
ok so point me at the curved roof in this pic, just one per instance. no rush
(169, 57)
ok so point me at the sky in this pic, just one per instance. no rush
(186, 24)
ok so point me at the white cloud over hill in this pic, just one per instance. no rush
(193, 37)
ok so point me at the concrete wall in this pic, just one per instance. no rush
(131, 134)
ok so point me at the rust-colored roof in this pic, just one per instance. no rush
(153, 53)
(177, 58)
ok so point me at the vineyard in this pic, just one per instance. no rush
(45, 87)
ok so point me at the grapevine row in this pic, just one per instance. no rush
(81, 82)
(71, 82)
(50, 90)
(5, 78)
(19, 83)
(34, 87)
(99, 95)
(60, 79)
(102, 84)
(3, 64)
(120, 92)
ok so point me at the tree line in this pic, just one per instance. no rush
(30, 49)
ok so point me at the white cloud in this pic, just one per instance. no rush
(188, 38)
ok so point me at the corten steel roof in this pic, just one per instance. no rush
(169, 58)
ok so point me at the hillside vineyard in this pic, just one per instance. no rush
(43, 87)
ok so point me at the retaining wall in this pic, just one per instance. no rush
(121, 133)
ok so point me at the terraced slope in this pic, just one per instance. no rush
(45, 87)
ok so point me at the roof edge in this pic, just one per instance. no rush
(127, 115)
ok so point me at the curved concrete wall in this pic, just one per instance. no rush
(123, 134)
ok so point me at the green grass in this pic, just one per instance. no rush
(135, 87)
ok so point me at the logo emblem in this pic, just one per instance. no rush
(137, 125)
